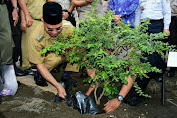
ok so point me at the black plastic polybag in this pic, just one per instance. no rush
(81, 102)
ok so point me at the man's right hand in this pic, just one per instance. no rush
(61, 91)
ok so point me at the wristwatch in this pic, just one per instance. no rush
(16, 8)
(120, 98)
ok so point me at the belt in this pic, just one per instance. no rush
(2, 2)
(156, 20)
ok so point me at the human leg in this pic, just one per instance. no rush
(173, 41)
(10, 81)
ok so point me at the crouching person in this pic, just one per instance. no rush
(46, 33)
(113, 104)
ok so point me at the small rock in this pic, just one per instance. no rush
(112, 116)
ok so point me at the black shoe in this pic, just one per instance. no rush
(171, 73)
(40, 81)
(19, 72)
(29, 71)
(133, 101)
(56, 70)
(158, 79)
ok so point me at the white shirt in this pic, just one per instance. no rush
(154, 10)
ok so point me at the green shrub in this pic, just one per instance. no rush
(88, 45)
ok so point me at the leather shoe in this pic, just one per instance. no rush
(29, 71)
(158, 79)
(171, 73)
(40, 81)
(19, 72)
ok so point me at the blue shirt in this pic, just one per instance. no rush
(124, 8)
(154, 10)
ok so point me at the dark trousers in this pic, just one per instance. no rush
(17, 48)
(154, 59)
(156, 26)
(172, 39)
(16, 34)
(173, 31)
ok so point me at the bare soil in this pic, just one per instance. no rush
(32, 102)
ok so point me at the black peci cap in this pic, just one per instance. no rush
(52, 13)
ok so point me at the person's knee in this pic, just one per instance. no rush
(53, 64)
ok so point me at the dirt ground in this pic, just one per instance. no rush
(33, 102)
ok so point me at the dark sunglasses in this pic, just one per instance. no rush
(52, 29)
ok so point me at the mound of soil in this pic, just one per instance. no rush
(31, 101)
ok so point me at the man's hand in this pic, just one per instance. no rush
(61, 91)
(29, 20)
(89, 1)
(166, 31)
(15, 16)
(117, 19)
(65, 15)
(91, 72)
(112, 105)
(23, 26)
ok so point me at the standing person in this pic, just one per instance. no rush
(159, 14)
(173, 32)
(7, 75)
(69, 12)
(124, 9)
(16, 35)
(31, 15)
(105, 5)
(47, 33)
(114, 103)
(82, 6)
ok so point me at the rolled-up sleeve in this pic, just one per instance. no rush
(166, 13)
(137, 16)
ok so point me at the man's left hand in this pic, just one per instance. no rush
(15, 16)
(112, 105)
